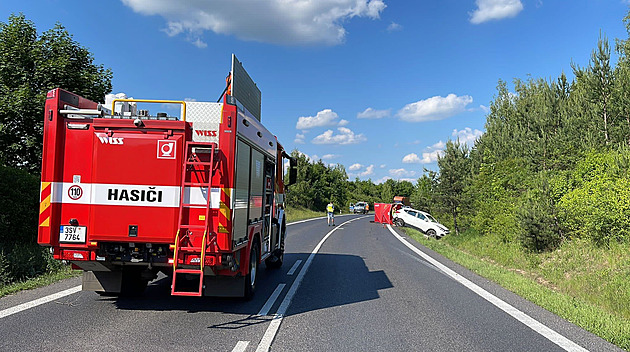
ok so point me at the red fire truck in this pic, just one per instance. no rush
(200, 196)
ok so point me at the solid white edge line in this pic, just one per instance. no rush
(240, 346)
(274, 326)
(272, 299)
(530, 322)
(31, 304)
(294, 267)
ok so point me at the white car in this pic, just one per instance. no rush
(420, 220)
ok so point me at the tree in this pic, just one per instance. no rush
(423, 196)
(598, 77)
(454, 176)
(30, 65)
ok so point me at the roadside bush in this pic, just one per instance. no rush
(496, 191)
(598, 205)
(19, 206)
(20, 256)
(539, 227)
(5, 276)
(599, 210)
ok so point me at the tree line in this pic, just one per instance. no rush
(552, 165)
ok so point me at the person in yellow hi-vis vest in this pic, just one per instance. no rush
(330, 209)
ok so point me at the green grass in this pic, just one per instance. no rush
(39, 281)
(297, 214)
(585, 285)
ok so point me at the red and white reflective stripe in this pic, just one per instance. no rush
(131, 195)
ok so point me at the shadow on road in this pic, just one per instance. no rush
(332, 280)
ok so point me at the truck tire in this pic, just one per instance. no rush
(431, 233)
(399, 222)
(276, 259)
(250, 279)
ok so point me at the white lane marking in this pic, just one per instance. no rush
(240, 346)
(272, 299)
(274, 326)
(532, 323)
(294, 267)
(28, 305)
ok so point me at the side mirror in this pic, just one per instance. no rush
(292, 171)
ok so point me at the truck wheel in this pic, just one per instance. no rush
(431, 233)
(399, 222)
(250, 279)
(276, 259)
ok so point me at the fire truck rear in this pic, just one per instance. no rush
(199, 196)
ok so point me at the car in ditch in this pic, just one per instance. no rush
(420, 220)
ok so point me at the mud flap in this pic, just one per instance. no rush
(221, 286)
(102, 281)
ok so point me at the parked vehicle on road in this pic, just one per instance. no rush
(199, 197)
(361, 207)
(420, 220)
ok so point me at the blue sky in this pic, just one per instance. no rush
(375, 85)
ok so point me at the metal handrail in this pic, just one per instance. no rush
(183, 103)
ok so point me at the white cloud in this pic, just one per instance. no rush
(370, 113)
(199, 43)
(434, 108)
(484, 108)
(431, 157)
(345, 136)
(355, 167)
(488, 10)
(438, 145)
(394, 27)
(382, 180)
(383, 166)
(467, 135)
(302, 22)
(326, 117)
(299, 138)
(411, 159)
(430, 154)
(343, 122)
(329, 156)
(398, 173)
(368, 171)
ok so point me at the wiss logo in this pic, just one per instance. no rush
(105, 139)
(206, 133)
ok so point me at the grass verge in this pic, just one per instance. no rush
(297, 214)
(39, 281)
(592, 317)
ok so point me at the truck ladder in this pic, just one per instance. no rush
(188, 233)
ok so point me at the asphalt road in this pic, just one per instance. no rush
(353, 287)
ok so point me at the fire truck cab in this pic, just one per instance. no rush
(199, 196)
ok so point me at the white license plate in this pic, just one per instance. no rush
(72, 234)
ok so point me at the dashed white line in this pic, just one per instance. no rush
(240, 346)
(274, 326)
(271, 300)
(28, 305)
(532, 323)
(294, 267)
